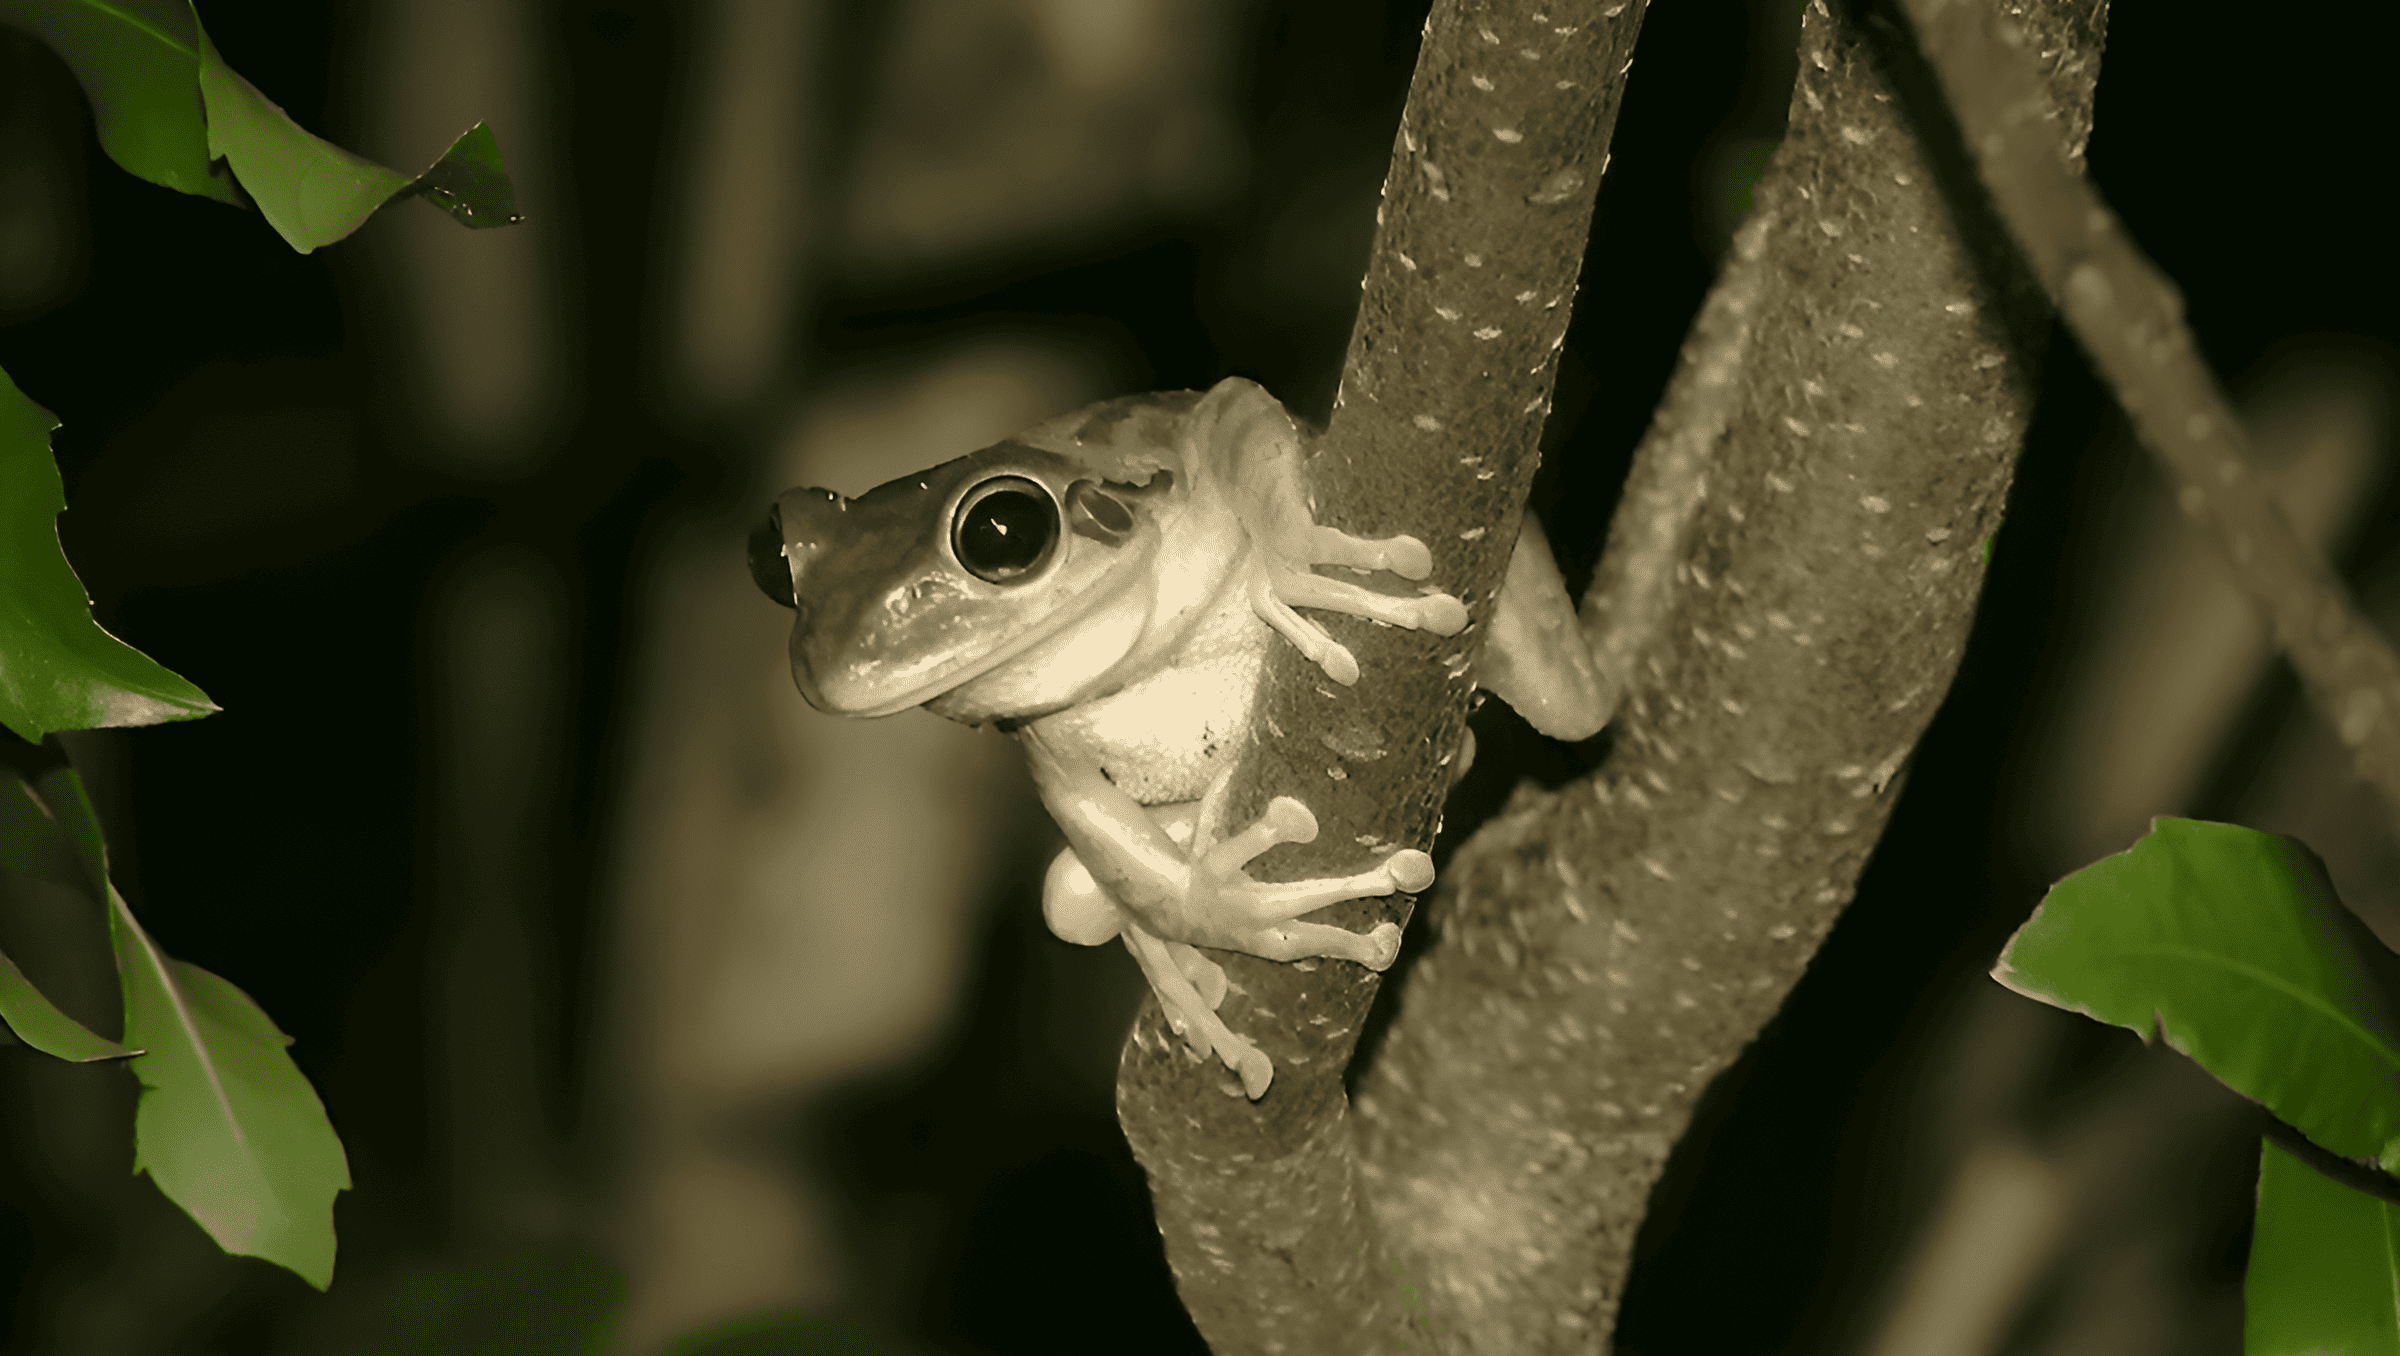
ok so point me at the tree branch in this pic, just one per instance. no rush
(1604, 950)
(1625, 609)
(2129, 317)
(1435, 432)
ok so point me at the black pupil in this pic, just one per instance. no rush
(1006, 533)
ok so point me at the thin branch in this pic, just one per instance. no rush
(2129, 318)
(1435, 433)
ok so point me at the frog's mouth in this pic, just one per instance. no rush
(893, 611)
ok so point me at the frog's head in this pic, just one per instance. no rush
(934, 580)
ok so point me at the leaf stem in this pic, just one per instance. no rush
(2348, 1171)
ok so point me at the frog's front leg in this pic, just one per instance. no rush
(1251, 443)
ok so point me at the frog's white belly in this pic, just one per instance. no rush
(1164, 739)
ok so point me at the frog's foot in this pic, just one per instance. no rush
(1308, 543)
(1284, 579)
(1205, 975)
(1191, 1009)
(1276, 589)
(1464, 761)
(1228, 909)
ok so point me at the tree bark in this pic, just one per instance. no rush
(1435, 433)
(1823, 480)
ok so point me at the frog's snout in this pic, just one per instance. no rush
(767, 563)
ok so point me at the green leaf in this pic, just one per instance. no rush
(2324, 1266)
(78, 824)
(34, 844)
(310, 190)
(38, 1022)
(228, 1126)
(169, 108)
(31, 843)
(139, 63)
(58, 669)
(470, 183)
(314, 192)
(539, 1302)
(2231, 943)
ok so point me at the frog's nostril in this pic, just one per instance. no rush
(767, 564)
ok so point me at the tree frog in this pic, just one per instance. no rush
(1105, 587)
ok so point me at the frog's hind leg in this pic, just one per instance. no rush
(1264, 918)
(1192, 1014)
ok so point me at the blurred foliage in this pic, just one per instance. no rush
(538, 1302)
(567, 1301)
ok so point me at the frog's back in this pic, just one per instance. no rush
(1124, 440)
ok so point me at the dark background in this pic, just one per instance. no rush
(250, 505)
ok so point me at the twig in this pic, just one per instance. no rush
(2129, 318)
(2348, 1171)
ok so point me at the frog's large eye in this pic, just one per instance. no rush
(1006, 528)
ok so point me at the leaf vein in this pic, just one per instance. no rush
(183, 1016)
(2270, 980)
(139, 24)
